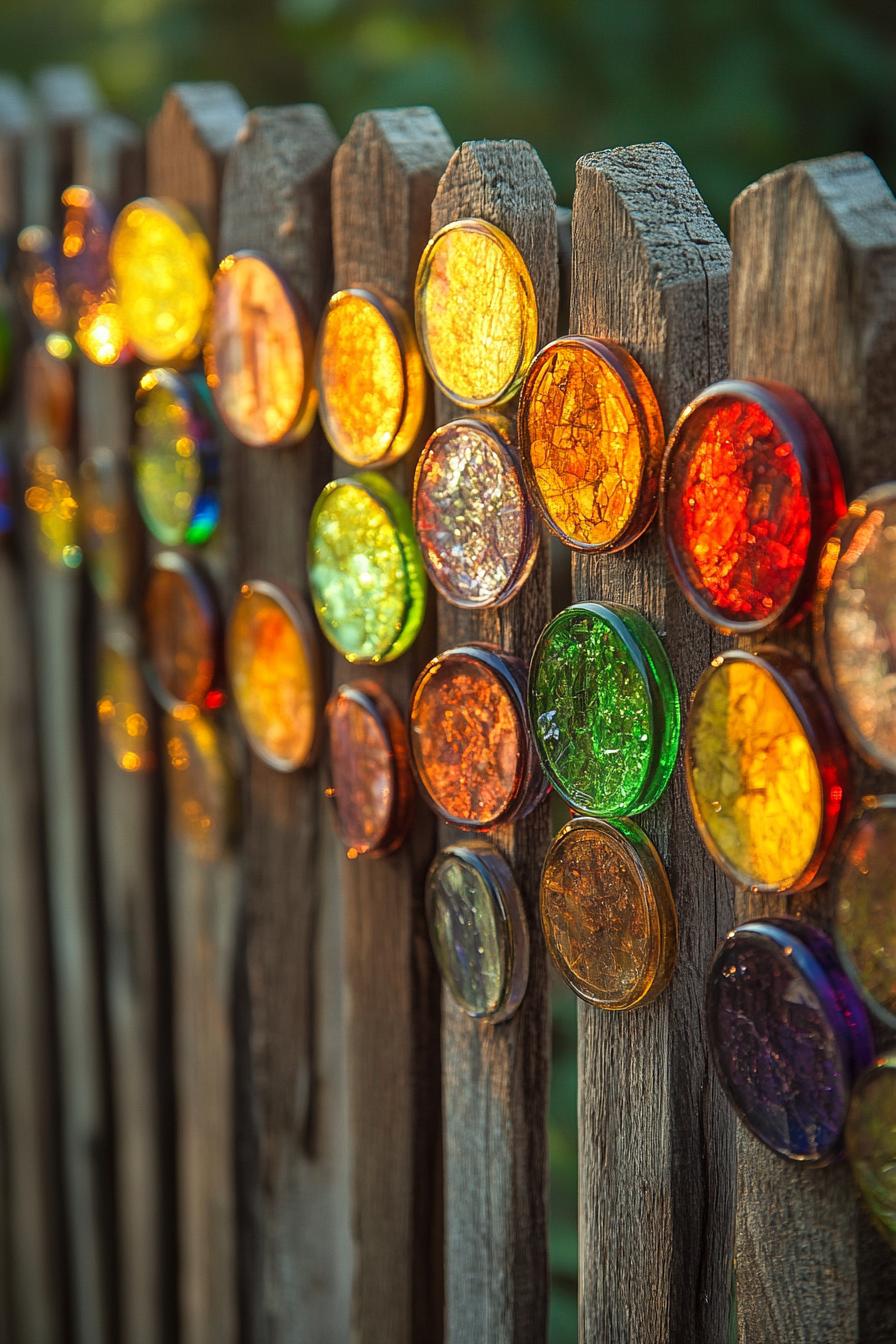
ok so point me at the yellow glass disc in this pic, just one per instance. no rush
(48, 495)
(370, 378)
(161, 265)
(123, 708)
(477, 319)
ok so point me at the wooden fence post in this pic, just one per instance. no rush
(813, 305)
(187, 145)
(384, 176)
(495, 1076)
(276, 201)
(656, 1148)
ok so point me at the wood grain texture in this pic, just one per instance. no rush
(495, 1076)
(813, 304)
(384, 177)
(276, 200)
(656, 1147)
(187, 145)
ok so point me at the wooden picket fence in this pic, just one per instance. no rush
(234, 1102)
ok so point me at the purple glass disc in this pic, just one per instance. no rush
(789, 1034)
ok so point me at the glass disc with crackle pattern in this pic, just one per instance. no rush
(591, 439)
(123, 707)
(855, 623)
(109, 531)
(176, 458)
(864, 884)
(477, 318)
(200, 783)
(364, 569)
(766, 769)
(476, 530)
(274, 674)
(162, 268)
(607, 912)
(789, 1035)
(604, 709)
(258, 356)
(478, 929)
(471, 747)
(370, 378)
(750, 487)
(181, 636)
(871, 1142)
(370, 782)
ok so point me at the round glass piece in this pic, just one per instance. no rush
(108, 525)
(864, 885)
(789, 1035)
(88, 301)
(370, 781)
(871, 1142)
(200, 784)
(181, 635)
(591, 441)
(122, 707)
(604, 709)
(750, 488)
(477, 318)
(176, 459)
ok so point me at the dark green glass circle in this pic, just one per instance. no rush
(604, 709)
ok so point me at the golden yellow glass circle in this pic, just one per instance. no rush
(370, 378)
(161, 265)
(477, 317)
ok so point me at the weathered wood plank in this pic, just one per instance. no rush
(656, 1146)
(495, 1076)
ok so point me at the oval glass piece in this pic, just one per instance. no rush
(109, 529)
(476, 531)
(477, 318)
(122, 706)
(478, 929)
(181, 635)
(604, 709)
(162, 267)
(201, 788)
(274, 674)
(364, 569)
(855, 623)
(591, 441)
(370, 378)
(471, 748)
(766, 769)
(864, 885)
(258, 358)
(871, 1142)
(370, 782)
(87, 295)
(176, 458)
(607, 913)
(750, 488)
(789, 1035)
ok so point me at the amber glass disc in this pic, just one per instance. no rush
(181, 635)
(49, 383)
(591, 440)
(176, 459)
(87, 295)
(766, 769)
(370, 378)
(37, 264)
(123, 709)
(607, 912)
(871, 1142)
(477, 319)
(258, 358)
(864, 885)
(109, 525)
(370, 782)
(750, 488)
(200, 783)
(274, 674)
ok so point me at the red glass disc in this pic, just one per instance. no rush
(370, 781)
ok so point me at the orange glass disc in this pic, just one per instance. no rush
(123, 707)
(607, 912)
(274, 674)
(370, 378)
(200, 783)
(181, 635)
(591, 442)
(109, 529)
(259, 352)
(370, 783)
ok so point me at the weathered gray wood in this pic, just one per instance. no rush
(656, 1145)
(276, 201)
(495, 1077)
(384, 176)
(813, 304)
(187, 145)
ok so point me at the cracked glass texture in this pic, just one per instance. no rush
(180, 635)
(172, 455)
(200, 785)
(469, 932)
(370, 378)
(856, 624)
(604, 709)
(370, 783)
(865, 904)
(591, 436)
(123, 710)
(871, 1142)
(364, 568)
(607, 912)
(788, 1035)
(473, 521)
(477, 320)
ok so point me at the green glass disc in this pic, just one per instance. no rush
(604, 709)
(871, 1142)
